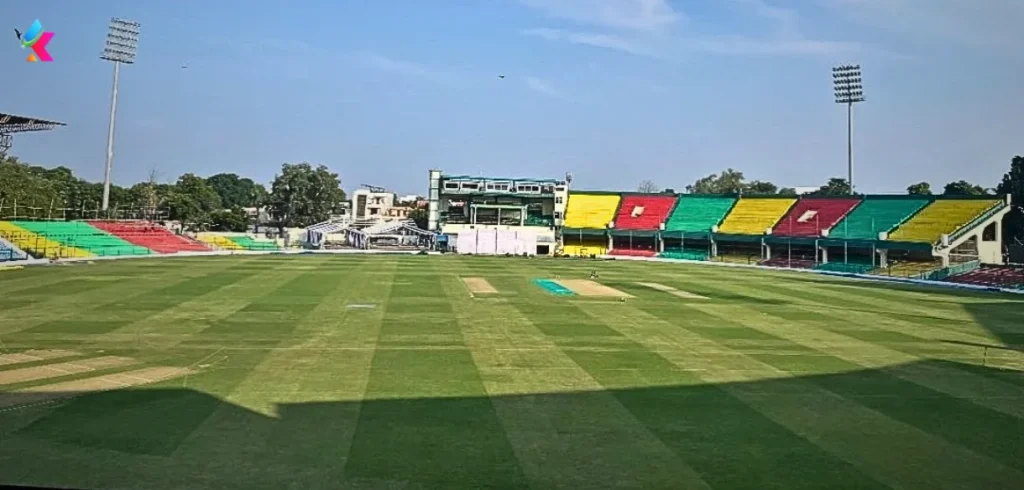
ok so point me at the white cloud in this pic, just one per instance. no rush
(406, 68)
(642, 15)
(599, 40)
(541, 86)
(648, 18)
(977, 23)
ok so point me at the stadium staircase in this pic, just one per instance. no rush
(942, 217)
(754, 216)
(10, 252)
(591, 211)
(698, 214)
(809, 216)
(875, 215)
(643, 212)
(151, 236)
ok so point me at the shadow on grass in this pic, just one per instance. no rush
(735, 436)
(1002, 314)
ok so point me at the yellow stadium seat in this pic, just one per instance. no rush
(219, 241)
(755, 215)
(38, 245)
(941, 217)
(591, 210)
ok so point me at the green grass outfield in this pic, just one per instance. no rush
(776, 381)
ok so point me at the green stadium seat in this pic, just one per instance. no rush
(83, 236)
(875, 215)
(698, 214)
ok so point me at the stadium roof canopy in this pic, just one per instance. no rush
(10, 123)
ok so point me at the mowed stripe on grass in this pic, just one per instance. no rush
(763, 384)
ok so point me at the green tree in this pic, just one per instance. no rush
(421, 217)
(648, 187)
(728, 182)
(920, 188)
(235, 191)
(787, 191)
(193, 201)
(233, 219)
(835, 187)
(1013, 184)
(963, 188)
(301, 195)
(759, 187)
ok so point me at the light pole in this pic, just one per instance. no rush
(849, 91)
(122, 44)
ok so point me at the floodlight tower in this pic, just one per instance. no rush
(122, 45)
(847, 81)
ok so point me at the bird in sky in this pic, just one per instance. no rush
(17, 33)
(499, 76)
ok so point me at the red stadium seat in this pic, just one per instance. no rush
(810, 215)
(151, 236)
(643, 212)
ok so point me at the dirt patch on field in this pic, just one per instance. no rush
(61, 369)
(671, 290)
(479, 285)
(586, 287)
(34, 355)
(67, 389)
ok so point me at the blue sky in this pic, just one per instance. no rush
(614, 91)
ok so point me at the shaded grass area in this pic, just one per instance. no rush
(774, 381)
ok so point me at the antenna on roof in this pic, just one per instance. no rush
(374, 188)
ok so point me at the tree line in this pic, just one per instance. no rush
(732, 181)
(300, 195)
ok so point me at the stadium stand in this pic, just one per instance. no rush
(84, 236)
(591, 210)
(910, 269)
(1003, 277)
(684, 255)
(753, 216)
(643, 211)
(792, 263)
(1010, 277)
(941, 217)
(810, 215)
(634, 252)
(848, 267)
(219, 242)
(250, 243)
(875, 215)
(38, 245)
(152, 236)
(695, 214)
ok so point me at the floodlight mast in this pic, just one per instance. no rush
(849, 91)
(121, 47)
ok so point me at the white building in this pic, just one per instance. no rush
(491, 215)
